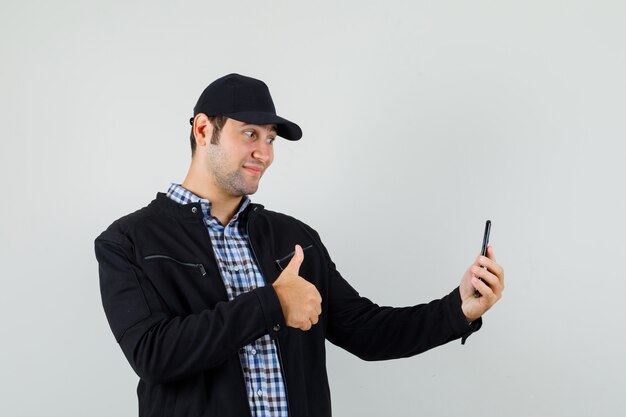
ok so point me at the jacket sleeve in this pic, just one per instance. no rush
(161, 347)
(372, 332)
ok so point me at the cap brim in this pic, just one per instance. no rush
(284, 128)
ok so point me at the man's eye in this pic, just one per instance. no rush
(249, 133)
(270, 140)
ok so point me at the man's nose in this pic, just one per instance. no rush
(262, 152)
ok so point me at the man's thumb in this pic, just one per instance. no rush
(296, 260)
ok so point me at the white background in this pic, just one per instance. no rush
(421, 119)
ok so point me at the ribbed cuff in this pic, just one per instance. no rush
(458, 319)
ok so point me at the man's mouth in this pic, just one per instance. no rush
(254, 169)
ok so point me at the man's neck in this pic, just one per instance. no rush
(223, 206)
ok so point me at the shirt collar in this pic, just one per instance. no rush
(181, 195)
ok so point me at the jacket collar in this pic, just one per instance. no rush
(192, 211)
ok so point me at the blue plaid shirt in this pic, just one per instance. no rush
(259, 360)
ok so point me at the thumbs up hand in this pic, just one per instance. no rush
(300, 301)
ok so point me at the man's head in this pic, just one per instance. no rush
(233, 130)
(244, 99)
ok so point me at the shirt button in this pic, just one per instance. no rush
(259, 393)
(276, 327)
(194, 210)
(253, 351)
(235, 268)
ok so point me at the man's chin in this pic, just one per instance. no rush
(238, 186)
(252, 190)
(248, 190)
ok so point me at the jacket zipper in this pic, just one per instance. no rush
(282, 371)
(199, 266)
(278, 352)
(243, 375)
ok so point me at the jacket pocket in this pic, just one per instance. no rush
(183, 284)
(169, 258)
(282, 262)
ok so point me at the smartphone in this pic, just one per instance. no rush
(483, 252)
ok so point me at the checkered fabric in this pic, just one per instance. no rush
(259, 360)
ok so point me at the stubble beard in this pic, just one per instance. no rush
(234, 184)
(231, 182)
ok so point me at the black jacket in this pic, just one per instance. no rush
(168, 309)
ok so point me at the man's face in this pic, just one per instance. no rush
(241, 156)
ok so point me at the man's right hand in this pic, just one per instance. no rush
(300, 301)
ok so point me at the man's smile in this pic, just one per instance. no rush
(255, 169)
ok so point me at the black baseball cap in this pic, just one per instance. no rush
(245, 99)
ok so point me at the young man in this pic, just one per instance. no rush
(223, 307)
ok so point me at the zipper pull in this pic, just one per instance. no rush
(202, 269)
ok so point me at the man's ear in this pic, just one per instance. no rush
(202, 129)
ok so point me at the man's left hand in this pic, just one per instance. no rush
(490, 285)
